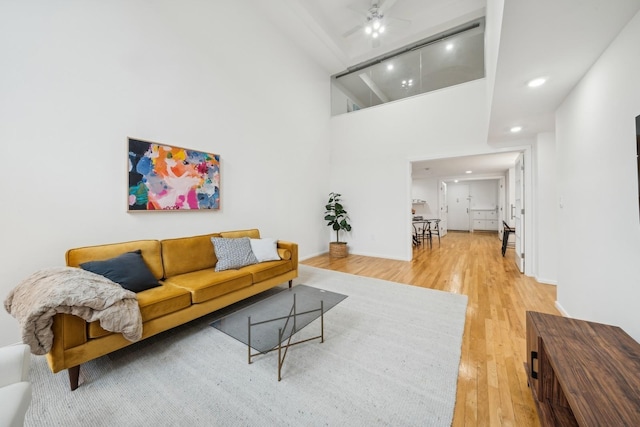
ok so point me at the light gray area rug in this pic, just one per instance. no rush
(390, 357)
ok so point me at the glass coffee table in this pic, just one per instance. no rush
(286, 331)
(270, 323)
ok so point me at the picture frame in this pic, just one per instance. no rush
(163, 177)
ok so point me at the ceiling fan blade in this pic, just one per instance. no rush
(352, 31)
(358, 10)
(384, 6)
(398, 22)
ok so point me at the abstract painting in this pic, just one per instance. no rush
(162, 177)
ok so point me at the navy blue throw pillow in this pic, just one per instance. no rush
(128, 270)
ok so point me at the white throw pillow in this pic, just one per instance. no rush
(265, 249)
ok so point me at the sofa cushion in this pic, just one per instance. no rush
(128, 270)
(200, 250)
(162, 300)
(233, 253)
(153, 303)
(267, 270)
(265, 249)
(151, 252)
(208, 284)
(252, 233)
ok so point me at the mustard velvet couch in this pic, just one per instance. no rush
(190, 288)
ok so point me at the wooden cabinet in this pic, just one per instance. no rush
(484, 219)
(582, 373)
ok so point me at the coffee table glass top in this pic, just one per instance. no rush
(264, 337)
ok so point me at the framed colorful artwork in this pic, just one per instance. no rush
(163, 177)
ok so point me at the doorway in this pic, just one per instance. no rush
(458, 203)
(431, 173)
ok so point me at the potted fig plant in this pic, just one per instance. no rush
(338, 219)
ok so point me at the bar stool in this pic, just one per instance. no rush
(435, 230)
(505, 236)
(421, 232)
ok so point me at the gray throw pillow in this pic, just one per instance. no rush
(233, 253)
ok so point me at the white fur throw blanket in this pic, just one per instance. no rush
(70, 290)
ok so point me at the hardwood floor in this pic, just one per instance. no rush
(492, 385)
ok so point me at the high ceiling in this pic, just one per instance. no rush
(406, 21)
(559, 40)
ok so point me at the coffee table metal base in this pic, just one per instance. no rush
(283, 348)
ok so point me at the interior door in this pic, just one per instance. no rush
(519, 212)
(458, 202)
(444, 208)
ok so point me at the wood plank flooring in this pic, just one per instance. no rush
(492, 385)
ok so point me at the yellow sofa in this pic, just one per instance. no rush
(190, 288)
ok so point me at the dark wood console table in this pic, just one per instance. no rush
(582, 373)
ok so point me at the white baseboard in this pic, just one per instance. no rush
(312, 255)
(547, 281)
(372, 255)
(561, 310)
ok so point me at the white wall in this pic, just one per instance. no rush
(598, 273)
(484, 194)
(371, 153)
(78, 77)
(545, 209)
(425, 189)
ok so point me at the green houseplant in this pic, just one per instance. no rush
(338, 219)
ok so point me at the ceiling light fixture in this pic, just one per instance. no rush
(516, 129)
(374, 25)
(449, 46)
(389, 67)
(537, 82)
(407, 83)
(468, 171)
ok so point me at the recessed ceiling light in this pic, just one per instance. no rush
(449, 46)
(455, 180)
(537, 82)
(468, 171)
(389, 67)
(516, 129)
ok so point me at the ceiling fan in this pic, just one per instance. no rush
(376, 21)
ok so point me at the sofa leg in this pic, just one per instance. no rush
(74, 375)
(290, 283)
